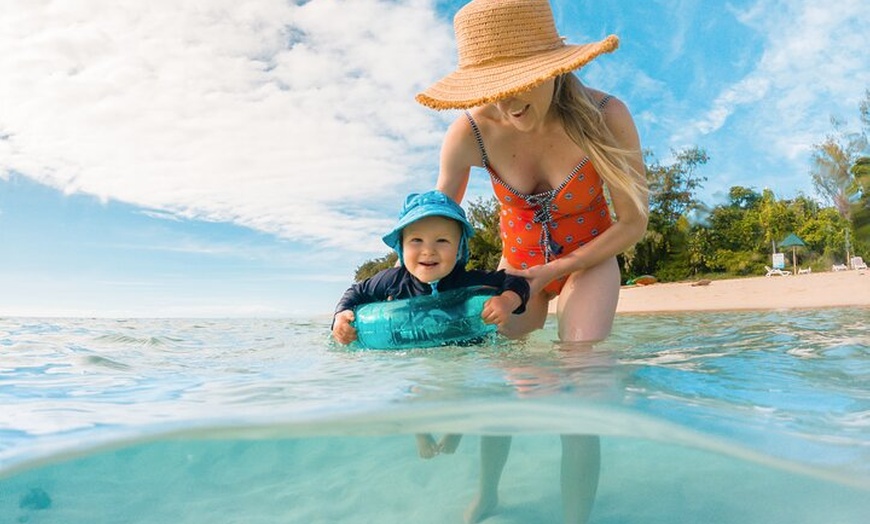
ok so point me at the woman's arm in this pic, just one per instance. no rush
(458, 153)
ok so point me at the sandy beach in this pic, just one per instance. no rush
(814, 290)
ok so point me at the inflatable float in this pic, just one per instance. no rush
(450, 317)
(643, 280)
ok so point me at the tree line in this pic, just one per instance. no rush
(688, 239)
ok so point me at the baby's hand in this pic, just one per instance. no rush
(498, 309)
(426, 445)
(342, 331)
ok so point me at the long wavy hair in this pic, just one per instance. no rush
(584, 123)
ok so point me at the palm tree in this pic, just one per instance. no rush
(832, 166)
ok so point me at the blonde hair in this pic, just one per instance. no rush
(584, 123)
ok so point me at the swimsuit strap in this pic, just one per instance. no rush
(603, 102)
(479, 138)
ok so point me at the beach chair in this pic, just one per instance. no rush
(775, 272)
(839, 267)
(805, 271)
(857, 263)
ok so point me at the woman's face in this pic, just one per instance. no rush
(528, 110)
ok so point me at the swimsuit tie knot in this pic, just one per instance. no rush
(543, 203)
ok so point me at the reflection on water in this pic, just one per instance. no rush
(745, 417)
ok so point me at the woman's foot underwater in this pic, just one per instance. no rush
(480, 508)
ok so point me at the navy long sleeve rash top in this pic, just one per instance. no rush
(397, 282)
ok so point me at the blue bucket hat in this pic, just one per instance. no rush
(431, 203)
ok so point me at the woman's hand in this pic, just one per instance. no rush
(498, 309)
(537, 276)
(342, 331)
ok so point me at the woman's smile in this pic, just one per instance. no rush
(522, 111)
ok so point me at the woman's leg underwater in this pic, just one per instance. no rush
(581, 464)
(493, 456)
(586, 309)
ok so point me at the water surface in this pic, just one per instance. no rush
(713, 417)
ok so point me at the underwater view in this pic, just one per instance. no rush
(756, 417)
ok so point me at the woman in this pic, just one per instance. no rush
(550, 146)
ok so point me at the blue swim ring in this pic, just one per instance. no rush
(449, 317)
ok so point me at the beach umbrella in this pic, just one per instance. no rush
(793, 241)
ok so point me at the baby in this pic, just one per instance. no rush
(431, 239)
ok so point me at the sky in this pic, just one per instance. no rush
(217, 158)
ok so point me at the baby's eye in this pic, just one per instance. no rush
(444, 240)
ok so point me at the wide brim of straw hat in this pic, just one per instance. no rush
(487, 83)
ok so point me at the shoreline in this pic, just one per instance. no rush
(809, 291)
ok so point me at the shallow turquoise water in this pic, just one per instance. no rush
(731, 418)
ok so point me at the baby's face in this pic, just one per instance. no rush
(429, 247)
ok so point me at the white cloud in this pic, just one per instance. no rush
(684, 13)
(747, 91)
(814, 63)
(292, 119)
(162, 215)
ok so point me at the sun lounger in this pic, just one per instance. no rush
(775, 272)
(858, 263)
(805, 270)
(839, 267)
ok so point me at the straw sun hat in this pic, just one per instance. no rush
(506, 47)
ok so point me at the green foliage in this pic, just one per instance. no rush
(859, 199)
(732, 226)
(672, 187)
(370, 267)
(698, 249)
(672, 199)
(859, 191)
(742, 197)
(835, 161)
(735, 262)
(485, 245)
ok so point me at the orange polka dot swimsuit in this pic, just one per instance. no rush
(538, 228)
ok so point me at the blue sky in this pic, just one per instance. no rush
(222, 158)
